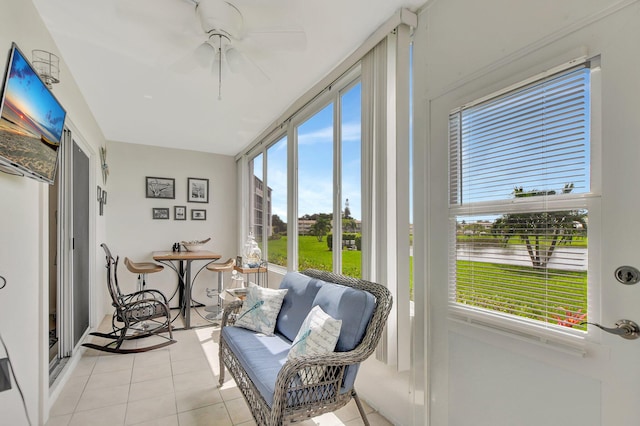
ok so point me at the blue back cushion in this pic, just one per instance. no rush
(354, 307)
(297, 302)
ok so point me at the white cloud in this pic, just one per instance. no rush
(351, 132)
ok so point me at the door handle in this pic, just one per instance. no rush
(626, 329)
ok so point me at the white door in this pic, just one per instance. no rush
(478, 375)
(620, 235)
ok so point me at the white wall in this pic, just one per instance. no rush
(464, 50)
(131, 231)
(24, 230)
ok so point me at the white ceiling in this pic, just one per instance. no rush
(133, 62)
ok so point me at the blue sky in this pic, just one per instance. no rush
(315, 160)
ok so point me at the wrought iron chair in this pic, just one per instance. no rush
(140, 314)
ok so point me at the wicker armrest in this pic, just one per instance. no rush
(229, 310)
(293, 367)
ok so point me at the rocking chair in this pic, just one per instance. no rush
(140, 314)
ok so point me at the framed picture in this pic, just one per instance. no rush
(104, 197)
(99, 194)
(161, 213)
(198, 214)
(197, 190)
(179, 213)
(157, 187)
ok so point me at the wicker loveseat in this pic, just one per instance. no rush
(279, 389)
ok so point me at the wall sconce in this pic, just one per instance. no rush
(47, 65)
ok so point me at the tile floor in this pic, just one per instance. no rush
(174, 385)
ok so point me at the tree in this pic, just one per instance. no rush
(349, 225)
(541, 232)
(279, 227)
(320, 228)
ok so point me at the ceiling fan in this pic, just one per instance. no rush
(229, 44)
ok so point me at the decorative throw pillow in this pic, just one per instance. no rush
(318, 334)
(260, 309)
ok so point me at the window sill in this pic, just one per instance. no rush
(570, 341)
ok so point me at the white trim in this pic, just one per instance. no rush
(402, 113)
(568, 344)
(514, 205)
(337, 182)
(366, 172)
(292, 194)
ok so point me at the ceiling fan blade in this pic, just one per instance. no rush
(290, 40)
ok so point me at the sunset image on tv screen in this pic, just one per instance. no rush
(31, 122)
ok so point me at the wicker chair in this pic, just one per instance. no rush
(292, 400)
(140, 314)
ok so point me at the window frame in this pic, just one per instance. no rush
(522, 327)
(288, 130)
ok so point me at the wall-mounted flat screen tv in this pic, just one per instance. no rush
(31, 121)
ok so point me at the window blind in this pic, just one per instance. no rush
(525, 259)
(535, 137)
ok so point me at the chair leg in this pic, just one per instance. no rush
(354, 395)
(216, 310)
(220, 349)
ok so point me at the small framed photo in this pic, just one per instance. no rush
(197, 190)
(157, 187)
(198, 214)
(104, 197)
(99, 194)
(160, 213)
(179, 213)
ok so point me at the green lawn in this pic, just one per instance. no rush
(496, 286)
(315, 254)
(478, 283)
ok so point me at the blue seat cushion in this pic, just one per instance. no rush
(297, 302)
(261, 356)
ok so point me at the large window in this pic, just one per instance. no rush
(328, 229)
(315, 190)
(277, 202)
(351, 183)
(329, 213)
(268, 202)
(519, 172)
